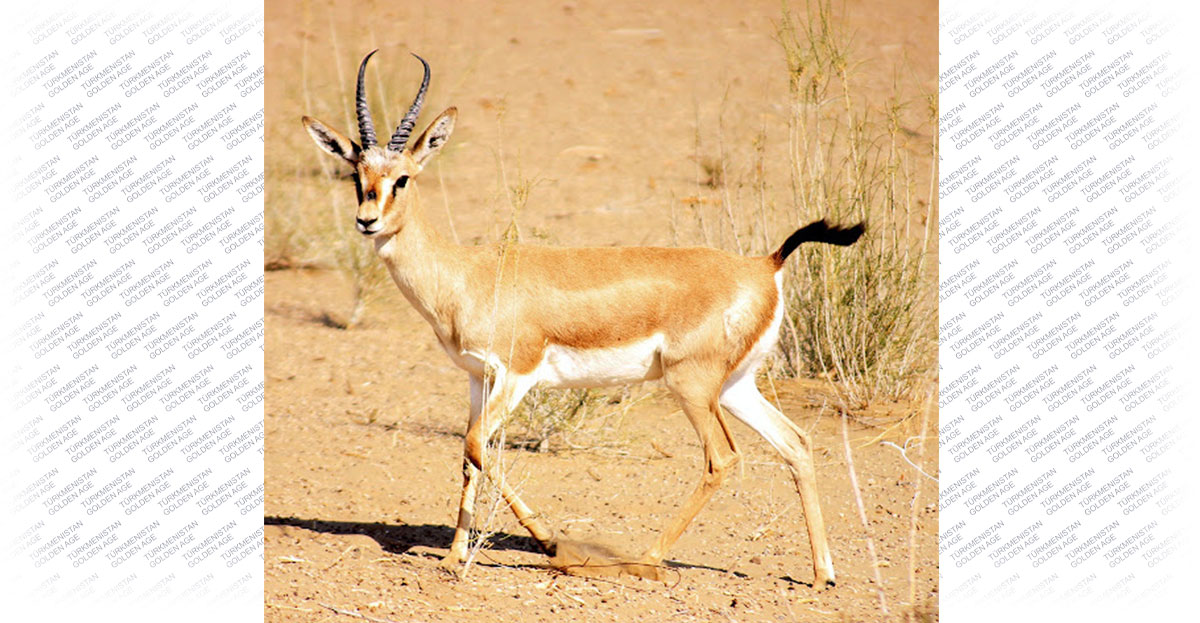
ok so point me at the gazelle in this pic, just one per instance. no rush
(700, 319)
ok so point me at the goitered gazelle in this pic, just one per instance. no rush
(700, 319)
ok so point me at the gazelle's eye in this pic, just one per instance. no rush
(371, 195)
(402, 182)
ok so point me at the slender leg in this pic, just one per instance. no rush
(699, 401)
(509, 389)
(466, 505)
(742, 398)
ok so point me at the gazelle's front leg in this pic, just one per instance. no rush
(466, 505)
(506, 393)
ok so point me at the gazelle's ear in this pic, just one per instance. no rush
(432, 139)
(331, 141)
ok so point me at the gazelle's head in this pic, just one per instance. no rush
(383, 176)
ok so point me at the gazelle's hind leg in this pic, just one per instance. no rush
(698, 396)
(742, 399)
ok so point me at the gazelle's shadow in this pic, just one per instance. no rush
(401, 538)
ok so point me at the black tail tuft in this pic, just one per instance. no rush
(818, 231)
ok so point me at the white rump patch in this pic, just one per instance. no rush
(563, 366)
(766, 342)
(739, 317)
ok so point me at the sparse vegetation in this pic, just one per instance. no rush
(864, 319)
(546, 414)
(295, 242)
(285, 247)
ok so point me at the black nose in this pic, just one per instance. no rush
(366, 222)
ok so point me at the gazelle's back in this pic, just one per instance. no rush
(612, 297)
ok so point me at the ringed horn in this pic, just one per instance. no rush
(366, 127)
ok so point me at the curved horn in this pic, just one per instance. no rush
(400, 137)
(366, 128)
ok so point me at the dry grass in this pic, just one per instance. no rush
(549, 415)
(865, 319)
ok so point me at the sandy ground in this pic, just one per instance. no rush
(606, 109)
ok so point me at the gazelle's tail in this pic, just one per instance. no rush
(818, 231)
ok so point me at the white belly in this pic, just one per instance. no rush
(564, 366)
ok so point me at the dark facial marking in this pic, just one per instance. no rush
(358, 187)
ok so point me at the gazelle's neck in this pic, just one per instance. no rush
(424, 265)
